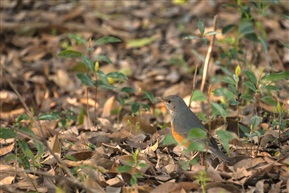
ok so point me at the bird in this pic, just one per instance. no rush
(183, 120)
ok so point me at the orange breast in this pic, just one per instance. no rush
(179, 138)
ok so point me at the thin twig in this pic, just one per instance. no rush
(208, 56)
(117, 147)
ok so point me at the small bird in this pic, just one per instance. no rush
(183, 120)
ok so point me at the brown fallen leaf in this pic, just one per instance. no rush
(108, 106)
(93, 185)
(82, 155)
(116, 182)
(55, 144)
(225, 187)
(137, 125)
(6, 149)
(212, 174)
(168, 187)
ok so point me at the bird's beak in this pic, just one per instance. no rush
(159, 99)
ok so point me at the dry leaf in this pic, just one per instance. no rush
(136, 125)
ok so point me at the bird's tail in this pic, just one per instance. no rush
(220, 154)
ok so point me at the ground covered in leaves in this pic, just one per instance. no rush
(59, 132)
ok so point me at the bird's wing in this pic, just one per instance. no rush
(187, 122)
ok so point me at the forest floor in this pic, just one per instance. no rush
(116, 137)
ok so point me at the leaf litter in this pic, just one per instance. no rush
(99, 143)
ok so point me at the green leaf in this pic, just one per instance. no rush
(224, 92)
(201, 26)
(102, 76)
(49, 116)
(228, 80)
(248, 97)
(233, 53)
(85, 79)
(40, 148)
(233, 102)
(103, 81)
(219, 110)
(137, 43)
(145, 107)
(202, 117)
(22, 117)
(233, 89)
(210, 33)
(69, 54)
(236, 78)
(150, 96)
(25, 149)
(191, 37)
(28, 130)
(25, 162)
(142, 165)
(169, 140)
(133, 181)
(263, 42)
(105, 85)
(78, 38)
(63, 123)
(269, 100)
(198, 96)
(197, 133)
(270, 87)
(80, 118)
(106, 39)
(121, 101)
(251, 76)
(253, 37)
(124, 169)
(226, 70)
(196, 146)
(246, 27)
(279, 108)
(7, 133)
(205, 40)
(244, 128)
(104, 58)
(88, 63)
(228, 28)
(135, 107)
(127, 90)
(70, 157)
(251, 86)
(225, 137)
(255, 121)
(117, 75)
(277, 76)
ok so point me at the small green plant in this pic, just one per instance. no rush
(24, 154)
(202, 180)
(253, 90)
(202, 36)
(133, 166)
(136, 106)
(93, 76)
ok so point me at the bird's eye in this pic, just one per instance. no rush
(169, 101)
